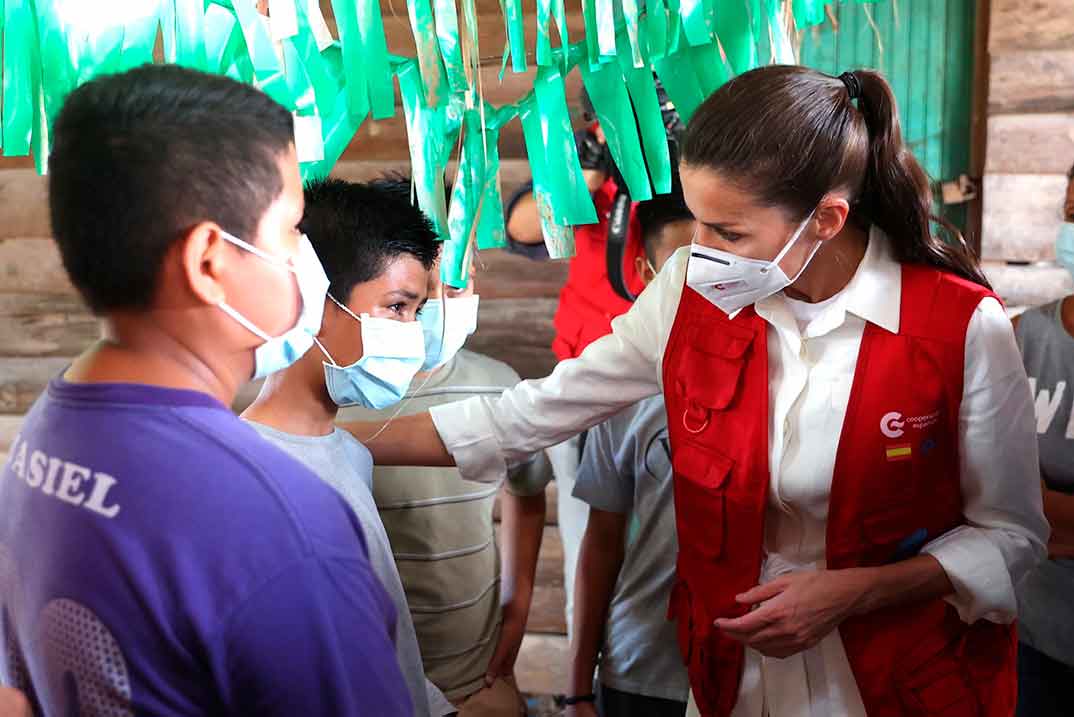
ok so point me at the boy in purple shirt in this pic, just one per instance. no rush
(156, 555)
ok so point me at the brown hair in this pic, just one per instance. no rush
(791, 134)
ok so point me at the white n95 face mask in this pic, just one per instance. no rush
(447, 323)
(279, 352)
(732, 282)
(392, 353)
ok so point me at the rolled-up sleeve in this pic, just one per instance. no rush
(1005, 531)
(486, 435)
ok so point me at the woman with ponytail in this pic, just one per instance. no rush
(851, 429)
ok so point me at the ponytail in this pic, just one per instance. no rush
(896, 194)
(791, 135)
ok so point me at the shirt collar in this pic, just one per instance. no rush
(874, 293)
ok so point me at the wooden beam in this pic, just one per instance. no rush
(9, 428)
(518, 332)
(23, 379)
(24, 197)
(32, 265)
(35, 325)
(1037, 25)
(1032, 81)
(1030, 144)
(1021, 216)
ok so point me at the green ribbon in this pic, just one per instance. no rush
(189, 33)
(375, 53)
(516, 33)
(570, 195)
(734, 28)
(611, 101)
(20, 67)
(807, 12)
(447, 34)
(429, 62)
(350, 39)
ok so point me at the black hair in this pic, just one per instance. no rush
(791, 134)
(656, 213)
(1070, 173)
(140, 158)
(358, 229)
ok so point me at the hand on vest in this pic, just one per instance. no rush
(796, 611)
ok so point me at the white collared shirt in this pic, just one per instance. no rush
(810, 371)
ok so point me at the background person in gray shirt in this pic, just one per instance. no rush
(626, 565)
(377, 251)
(1045, 617)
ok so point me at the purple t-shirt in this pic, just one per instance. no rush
(158, 557)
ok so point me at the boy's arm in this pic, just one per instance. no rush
(599, 561)
(522, 527)
(405, 441)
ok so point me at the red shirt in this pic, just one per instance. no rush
(588, 303)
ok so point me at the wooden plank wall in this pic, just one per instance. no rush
(43, 323)
(1030, 147)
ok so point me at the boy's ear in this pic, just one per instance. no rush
(206, 258)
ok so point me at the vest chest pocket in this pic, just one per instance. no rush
(710, 373)
(701, 476)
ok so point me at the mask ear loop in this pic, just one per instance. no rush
(787, 247)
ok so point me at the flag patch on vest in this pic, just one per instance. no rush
(899, 452)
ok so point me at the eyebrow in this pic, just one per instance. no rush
(723, 228)
(403, 293)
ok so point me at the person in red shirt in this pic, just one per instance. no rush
(603, 279)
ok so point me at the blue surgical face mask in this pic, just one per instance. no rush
(279, 352)
(1064, 246)
(392, 353)
(446, 323)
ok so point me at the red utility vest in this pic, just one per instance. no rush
(588, 303)
(896, 478)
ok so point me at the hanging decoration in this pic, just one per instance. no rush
(332, 85)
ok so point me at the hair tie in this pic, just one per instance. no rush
(853, 84)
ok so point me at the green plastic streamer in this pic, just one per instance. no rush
(20, 65)
(570, 195)
(189, 32)
(447, 34)
(695, 22)
(491, 232)
(709, 67)
(642, 89)
(375, 52)
(735, 30)
(544, 42)
(430, 142)
(679, 76)
(589, 18)
(304, 44)
(606, 28)
(268, 72)
(424, 30)
(56, 71)
(457, 254)
(807, 12)
(630, 15)
(656, 29)
(611, 101)
(220, 26)
(516, 34)
(353, 63)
